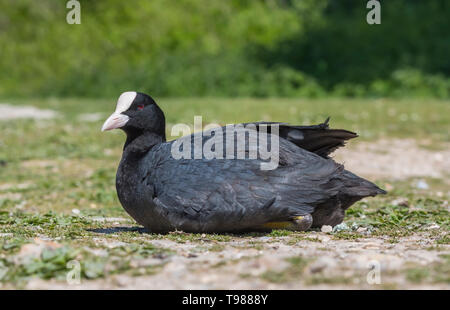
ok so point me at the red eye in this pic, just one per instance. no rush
(140, 107)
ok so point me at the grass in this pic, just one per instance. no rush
(293, 272)
(57, 179)
(423, 210)
(438, 272)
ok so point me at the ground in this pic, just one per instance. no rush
(60, 217)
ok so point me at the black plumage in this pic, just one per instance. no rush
(228, 195)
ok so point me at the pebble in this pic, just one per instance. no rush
(75, 211)
(323, 239)
(421, 184)
(401, 202)
(361, 229)
(326, 229)
(433, 226)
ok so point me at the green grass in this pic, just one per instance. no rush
(50, 167)
(438, 272)
(424, 209)
(294, 271)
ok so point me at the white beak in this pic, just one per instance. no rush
(116, 120)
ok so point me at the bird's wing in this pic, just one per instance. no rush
(216, 194)
(319, 139)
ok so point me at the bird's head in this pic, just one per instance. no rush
(136, 113)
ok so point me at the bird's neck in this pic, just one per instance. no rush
(139, 143)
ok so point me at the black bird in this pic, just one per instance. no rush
(203, 194)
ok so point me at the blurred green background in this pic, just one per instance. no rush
(258, 48)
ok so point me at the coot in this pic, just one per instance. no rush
(164, 191)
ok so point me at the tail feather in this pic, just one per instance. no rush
(358, 187)
(348, 188)
(318, 139)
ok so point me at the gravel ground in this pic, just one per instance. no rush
(298, 261)
(395, 159)
(334, 264)
(315, 259)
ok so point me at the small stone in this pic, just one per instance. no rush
(433, 226)
(323, 239)
(76, 211)
(238, 255)
(342, 255)
(401, 202)
(421, 184)
(326, 229)
(361, 229)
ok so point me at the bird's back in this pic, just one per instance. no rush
(212, 195)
